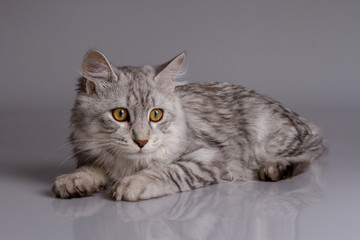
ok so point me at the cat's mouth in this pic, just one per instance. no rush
(140, 151)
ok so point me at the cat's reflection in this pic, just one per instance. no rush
(253, 210)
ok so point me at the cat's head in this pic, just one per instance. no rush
(131, 112)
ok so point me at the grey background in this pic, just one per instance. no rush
(304, 54)
(285, 49)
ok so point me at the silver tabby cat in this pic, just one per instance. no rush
(137, 134)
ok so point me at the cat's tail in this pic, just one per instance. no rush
(314, 144)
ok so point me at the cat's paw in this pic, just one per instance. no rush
(131, 188)
(138, 187)
(78, 184)
(274, 171)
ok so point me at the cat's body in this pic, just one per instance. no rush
(206, 133)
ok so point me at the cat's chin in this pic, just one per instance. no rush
(139, 152)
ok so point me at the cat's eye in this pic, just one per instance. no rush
(120, 114)
(156, 115)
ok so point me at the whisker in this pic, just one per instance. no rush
(103, 156)
(115, 153)
(71, 142)
(82, 150)
(116, 150)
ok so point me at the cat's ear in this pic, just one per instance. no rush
(167, 72)
(97, 70)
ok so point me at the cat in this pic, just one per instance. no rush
(139, 135)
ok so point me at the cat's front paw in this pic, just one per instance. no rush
(131, 188)
(139, 187)
(78, 184)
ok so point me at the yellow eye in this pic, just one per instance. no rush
(156, 115)
(120, 114)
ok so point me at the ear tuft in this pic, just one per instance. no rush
(96, 67)
(167, 72)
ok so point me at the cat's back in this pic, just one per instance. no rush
(211, 93)
(222, 111)
(223, 100)
(226, 111)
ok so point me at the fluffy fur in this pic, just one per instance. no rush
(209, 133)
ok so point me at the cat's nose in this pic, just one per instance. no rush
(140, 143)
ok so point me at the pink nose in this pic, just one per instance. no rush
(141, 143)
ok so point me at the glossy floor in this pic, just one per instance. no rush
(320, 204)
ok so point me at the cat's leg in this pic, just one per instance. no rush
(286, 164)
(197, 169)
(279, 170)
(291, 159)
(83, 182)
(290, 151)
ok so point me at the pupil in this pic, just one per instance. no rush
(121, 113)
(156, 114)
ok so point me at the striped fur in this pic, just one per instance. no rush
(209, 133)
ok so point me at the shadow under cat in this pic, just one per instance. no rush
(250, 210)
